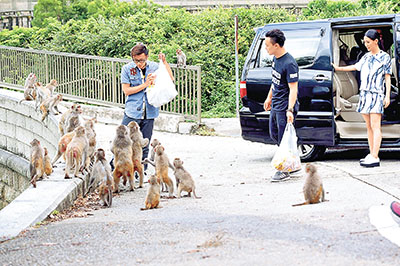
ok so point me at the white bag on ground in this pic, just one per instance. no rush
(286, 158)
(163, 90)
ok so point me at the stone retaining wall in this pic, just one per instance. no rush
(20, 123)
(14, 172)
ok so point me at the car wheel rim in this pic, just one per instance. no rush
(305, 149)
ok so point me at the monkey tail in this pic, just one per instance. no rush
(300, 204)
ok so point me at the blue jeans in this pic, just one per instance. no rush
(277, 124)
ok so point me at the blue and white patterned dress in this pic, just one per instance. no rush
(372, 89)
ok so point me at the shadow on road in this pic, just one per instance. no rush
(342, 155)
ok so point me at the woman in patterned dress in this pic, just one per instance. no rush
(375, 68)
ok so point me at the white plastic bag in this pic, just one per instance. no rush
(163, 90)
(286, 158)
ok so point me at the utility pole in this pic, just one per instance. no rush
(237, 65)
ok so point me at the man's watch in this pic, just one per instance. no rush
(290, 110)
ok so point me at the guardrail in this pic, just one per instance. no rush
(92, 79)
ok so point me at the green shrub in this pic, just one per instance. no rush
(111, 28)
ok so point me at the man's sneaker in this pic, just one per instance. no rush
(296, 173)
(370, 162)
(280, 176)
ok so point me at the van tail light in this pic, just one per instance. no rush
(243, 90)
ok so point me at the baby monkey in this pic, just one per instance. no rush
(153, 194)
(48, 167)
(184, 180)
(313, 190)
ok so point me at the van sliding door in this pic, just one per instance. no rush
(311, 47)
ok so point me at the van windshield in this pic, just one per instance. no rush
(301, 44)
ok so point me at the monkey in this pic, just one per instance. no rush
(162, 163)
(153, 145)
(50, 106)
(313, 190)
(184, 180)
(76, 153)
(52, 86)
(37, 162)
(48, 168)
(137, 149)
(153, 194)
(91, 136)
(42, 93)
(29, 88)
(62, 146)
(101, 173)
(71, 119)
(105, 191)
(122, 150)
(181, 58)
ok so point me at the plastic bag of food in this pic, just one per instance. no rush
(286, 158)
(163, 90)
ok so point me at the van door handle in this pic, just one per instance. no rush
(320, 77)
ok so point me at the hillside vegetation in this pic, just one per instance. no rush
(110, 28)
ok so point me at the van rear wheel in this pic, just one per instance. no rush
(309, 153)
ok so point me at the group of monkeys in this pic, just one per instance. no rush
(78, 148)
(127, 150)
(77, 145)
(42, 95)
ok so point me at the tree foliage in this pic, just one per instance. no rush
(111, 28)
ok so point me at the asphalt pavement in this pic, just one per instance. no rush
(242, 218)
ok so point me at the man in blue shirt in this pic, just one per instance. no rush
(282, 96)
(136, 76)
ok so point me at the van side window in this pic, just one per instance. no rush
(301, 44)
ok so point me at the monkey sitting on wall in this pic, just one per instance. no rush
(30, 88)
(313, 190)
(49, 105)
(37, 162)
(52, 86)
(48, 168)
(42, 93)
(184, 180)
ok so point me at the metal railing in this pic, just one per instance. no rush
(93, 79)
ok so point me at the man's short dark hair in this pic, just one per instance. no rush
(138, 49)
(276, 36)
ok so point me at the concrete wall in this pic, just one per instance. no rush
(14, 172)
(19, 125)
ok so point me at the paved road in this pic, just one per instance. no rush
(242, 218)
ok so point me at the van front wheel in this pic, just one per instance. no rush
(309, 153)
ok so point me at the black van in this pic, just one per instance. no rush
(327, 116)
